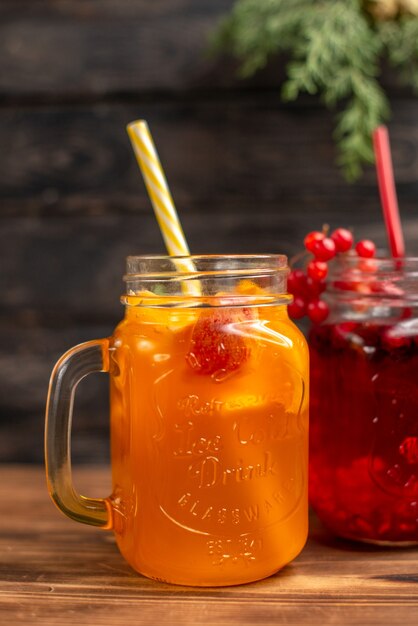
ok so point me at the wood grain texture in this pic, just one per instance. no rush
(77, 196)
(73, 206)
(55, 572)
(83, 50)
(248, 174)
(246, 153)
(97, 47)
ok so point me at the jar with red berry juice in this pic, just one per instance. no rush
(364, 401)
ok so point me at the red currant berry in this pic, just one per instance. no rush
(318, 311)
(366, 249)
(317, 270)
(407, 313)
(296, 282)
(409, 449)
(392, 340)
(386, 288)
(312, 238)
(343, 239)
(345, 285)
(368, 266)
(297, 308)
(315, 287)
(342, 334)
(324, 250)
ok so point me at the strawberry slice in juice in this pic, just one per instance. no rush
(218, 342)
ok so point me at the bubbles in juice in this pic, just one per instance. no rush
(209, 443)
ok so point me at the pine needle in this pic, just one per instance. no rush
(335, 51)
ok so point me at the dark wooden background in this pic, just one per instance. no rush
(248, 174)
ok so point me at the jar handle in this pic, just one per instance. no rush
(84, 359)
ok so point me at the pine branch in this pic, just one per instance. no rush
(335, 53)
(400, 39)
(364, 111)
(256, 29)
(339, 54)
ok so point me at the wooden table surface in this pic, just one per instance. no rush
(54, 571)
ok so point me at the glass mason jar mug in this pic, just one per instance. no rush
(364, 402)
(209, 409)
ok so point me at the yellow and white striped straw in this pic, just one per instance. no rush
(161, 199)
(156, 183)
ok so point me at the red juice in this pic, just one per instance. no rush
(364, 429)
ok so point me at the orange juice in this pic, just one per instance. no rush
(209, 421)
(209, 465)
